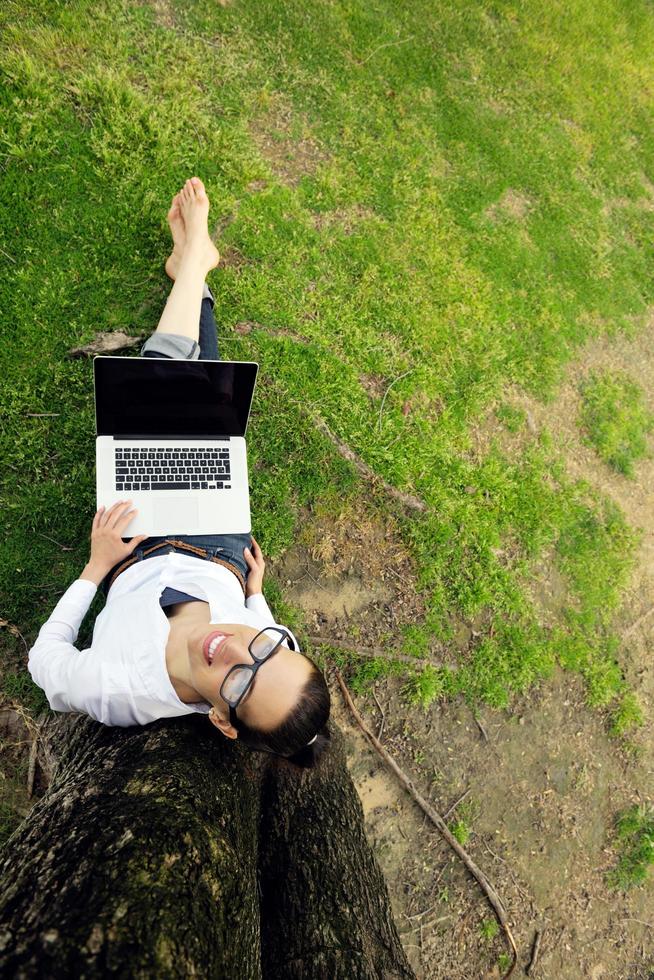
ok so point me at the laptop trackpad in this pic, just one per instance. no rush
(175, 513)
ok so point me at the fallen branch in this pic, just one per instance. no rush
(492, 896)
(414, 503)
(535, 951)
(405, 498)
(107, 341)
(375, 652)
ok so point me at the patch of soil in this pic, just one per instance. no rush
(164, 13)
(512, 203)
(346, 219)
(545, 781)
(289, 156)
(351, 570)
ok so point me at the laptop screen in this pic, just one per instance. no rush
(160, 396)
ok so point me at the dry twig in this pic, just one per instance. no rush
(388, 44)
(637, 623)
(490, 893)
(535, 951)
(451, 810)
(383, 714)
(405, 498)
(481, 729)
(386, 392)
(63, 547)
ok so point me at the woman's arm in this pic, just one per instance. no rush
(71, 680)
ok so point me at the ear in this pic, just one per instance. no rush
(223, 724)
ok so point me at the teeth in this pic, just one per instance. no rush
(212, 646)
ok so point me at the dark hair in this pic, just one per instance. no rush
(306, 719)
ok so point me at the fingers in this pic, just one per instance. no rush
(114, 515)
(253, 557)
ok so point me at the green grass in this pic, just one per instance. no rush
(493, 160)
(635, 845)
(489, 929)
(461, 825)
(616, 419)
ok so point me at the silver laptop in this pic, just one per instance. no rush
(171, 438)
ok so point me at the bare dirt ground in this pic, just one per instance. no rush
(545, 781)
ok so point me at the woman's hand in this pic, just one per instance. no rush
(107, 548)
(257, 567)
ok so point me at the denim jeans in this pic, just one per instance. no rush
(229, 547)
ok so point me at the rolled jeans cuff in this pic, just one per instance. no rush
(172, 345)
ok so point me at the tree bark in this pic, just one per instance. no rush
(325, 909)
(167, 851)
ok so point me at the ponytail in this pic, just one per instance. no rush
(303, 736)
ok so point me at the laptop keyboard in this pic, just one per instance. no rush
(173, 469)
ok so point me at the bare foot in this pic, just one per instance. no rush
(178, 231)
(194, 206)
(177, 223)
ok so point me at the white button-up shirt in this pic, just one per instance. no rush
(122, 679)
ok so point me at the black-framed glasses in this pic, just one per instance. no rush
(239, 678)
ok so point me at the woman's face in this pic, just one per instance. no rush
(274, 691)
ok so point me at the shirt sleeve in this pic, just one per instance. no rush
(71, 679)
(257, 603)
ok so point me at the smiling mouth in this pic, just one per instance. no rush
(212, 644)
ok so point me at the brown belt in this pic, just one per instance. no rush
(178, 544)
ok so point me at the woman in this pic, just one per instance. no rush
(185, 626)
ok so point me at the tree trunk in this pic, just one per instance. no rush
(325, 910)
(143, 860)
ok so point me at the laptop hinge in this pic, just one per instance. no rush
(172, 438)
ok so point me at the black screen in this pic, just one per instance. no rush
(148, 396)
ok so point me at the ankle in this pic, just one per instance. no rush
(195, 259)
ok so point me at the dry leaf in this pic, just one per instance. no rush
(12, 629)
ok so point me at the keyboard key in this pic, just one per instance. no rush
(203, 486)
(170, 486)
(195, 486)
